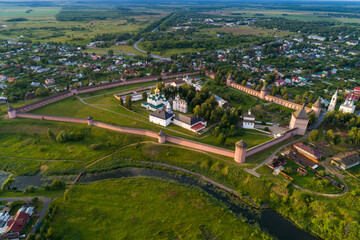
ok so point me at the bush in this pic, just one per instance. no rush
(30, 189)
(65, 136)
(56, 185)
(95, 146)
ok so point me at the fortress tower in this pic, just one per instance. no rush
(240, 151)
(161, 137)
(11, 112)
(90, 120)
(263, 92)
(229, 80)
(316, 107)
(299, 120)
(333, 102)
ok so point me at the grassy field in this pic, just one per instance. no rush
(251, 139)
(6, 11)
(41, 25)
(222, 170)
(294, 15)
(36, 146)
(137, 207)
(245, 30)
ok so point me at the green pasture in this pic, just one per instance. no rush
(6, 11)
(137, 207)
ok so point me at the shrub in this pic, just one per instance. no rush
(30, 189)
(95, 146)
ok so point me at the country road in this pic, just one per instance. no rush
(152, 55)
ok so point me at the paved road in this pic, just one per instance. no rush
(152, 55)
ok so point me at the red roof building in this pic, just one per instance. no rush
(307, 151)
(357, 91)
(18, 223)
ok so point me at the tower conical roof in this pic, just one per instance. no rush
(90, 117)
(161, 133)
(241, 144)
(301, 113)
(317, 103)
(230, 77)
(263, 88)
(10, 108)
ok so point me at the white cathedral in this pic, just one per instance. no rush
(347, 107)
(156, 101)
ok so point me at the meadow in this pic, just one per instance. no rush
(41, 24)
(145, 207)
(31, 152)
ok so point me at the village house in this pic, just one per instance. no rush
(277, 162)
(49, 81)
(11, 79)
(192, 123)
(352, 42)
(346, 160)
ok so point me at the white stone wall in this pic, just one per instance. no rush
(159, 121)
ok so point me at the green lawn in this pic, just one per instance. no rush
(133, 208)
(251, 139)
(262, 155)
(35, 145)
(310, 181)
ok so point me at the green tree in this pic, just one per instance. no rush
(121, 102)
(313, 136)
(144, 96)
(50, 134)
(329, 136)
(197, 111)
(31, 236)
(174, 68)
(297, 99)
(128, 102)
(285, 96)
(312, 118)
(222, 138)
(8, 182)
(111, 52)
(337, 139)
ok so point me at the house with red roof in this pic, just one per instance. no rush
(17, 224)
(357, 91)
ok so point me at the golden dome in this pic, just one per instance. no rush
(157, 89)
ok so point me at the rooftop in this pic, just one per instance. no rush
(161, 114)
(308, 149)
(301, 113)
